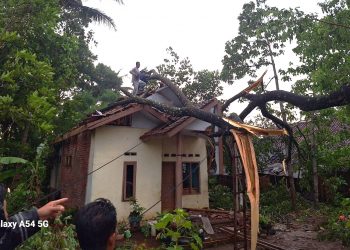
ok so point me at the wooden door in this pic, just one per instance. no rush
(168, 186)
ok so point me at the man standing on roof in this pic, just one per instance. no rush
(137, 83)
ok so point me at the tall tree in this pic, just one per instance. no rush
(263, 34)
(45, 62)
(198, 86)
(323, 50)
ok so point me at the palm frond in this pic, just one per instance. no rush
(89, 12)
(97, 16)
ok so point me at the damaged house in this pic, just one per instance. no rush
(136, 152)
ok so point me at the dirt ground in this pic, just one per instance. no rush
(297, 235)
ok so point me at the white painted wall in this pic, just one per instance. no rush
(139, 120)
(191, 145)
(111, 141)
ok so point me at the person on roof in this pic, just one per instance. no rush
(136, 81)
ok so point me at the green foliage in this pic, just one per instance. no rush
(338, 224)
(323, 49)
(275, 204)
(267, 151)
(136, 208)
(263, 33)
(219, 196)
(197, 86)
(60, 235)
(12, 160)
(332, 152)
(20, 197)
(45, 63)
(8, 172)
(177, 226)
(30, 189)
(48, 82)
(130, 245)
(146, 230)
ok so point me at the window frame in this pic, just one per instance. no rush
(68, 161)
(191, 190)
(126, 164)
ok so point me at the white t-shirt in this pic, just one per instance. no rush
(135, 74)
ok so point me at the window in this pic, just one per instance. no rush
(129, 181)
(68, 161)
(190, 175)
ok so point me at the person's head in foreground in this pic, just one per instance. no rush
(96, 224)
(138, 64)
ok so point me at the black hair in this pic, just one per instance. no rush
(138, 63)
(95, 223)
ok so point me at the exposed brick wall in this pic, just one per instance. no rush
(74, 168)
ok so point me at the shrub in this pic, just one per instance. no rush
(338, 224)
(220, 196)
(276, 203)
(60, 235)
(178, 229)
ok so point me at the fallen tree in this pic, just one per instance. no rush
(238, 130)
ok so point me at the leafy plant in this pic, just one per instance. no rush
(60, 235)
(177, 228)
(30, 189)
(146, 230)
(135, 215)
(122, 226)
(219, 196)
(136, 209)
(338, 224)
(277, 211)
(6, 172)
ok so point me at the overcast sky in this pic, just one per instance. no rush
(197, 29)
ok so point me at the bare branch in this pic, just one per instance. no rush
(305, 103)
(283, 124)
(243, 92)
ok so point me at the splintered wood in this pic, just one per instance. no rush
(247, 153)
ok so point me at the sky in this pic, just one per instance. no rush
(197, 29)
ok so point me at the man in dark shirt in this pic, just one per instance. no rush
(18, 228)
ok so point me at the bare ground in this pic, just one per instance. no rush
(297, 235)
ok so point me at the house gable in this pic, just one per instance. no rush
(172, 128)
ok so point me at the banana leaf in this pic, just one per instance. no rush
(11, 160)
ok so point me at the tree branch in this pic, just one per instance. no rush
(283, 124)
(305, 103)
(243, 92)
(183, 99)
(180, 112)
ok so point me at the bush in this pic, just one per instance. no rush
(178, 231)
(220, 196)
(338, 224)
(276, 203)
(60, 235)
